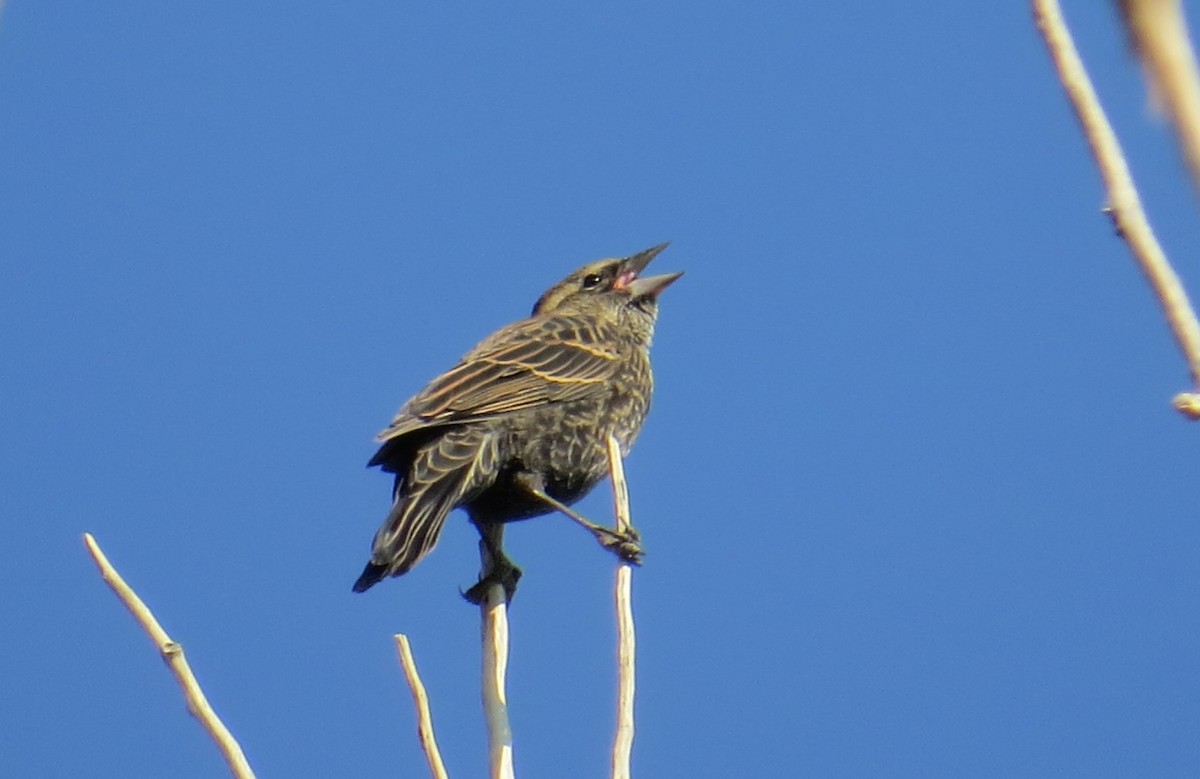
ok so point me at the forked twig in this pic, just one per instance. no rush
(421, 700)
(1124, 205)
(172, 653)
(626, 640)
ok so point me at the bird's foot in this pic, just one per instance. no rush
(626, 545)
(503, 573)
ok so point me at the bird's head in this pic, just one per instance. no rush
(614, 284)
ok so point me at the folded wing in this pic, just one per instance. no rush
(530, 363)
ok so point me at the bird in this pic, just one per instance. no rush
(519, 427)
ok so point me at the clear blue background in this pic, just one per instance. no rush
(914, 498)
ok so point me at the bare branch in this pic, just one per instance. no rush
(1125, 207)
(626, 642)
(421, 699)
(1159, 34)
(494, 612)
(172, 653)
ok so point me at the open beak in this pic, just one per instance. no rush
(648, 286)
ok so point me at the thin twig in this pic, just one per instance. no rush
(1158, 31)
(1125, 207)
(172, 653)
(494, 613)
(421, 699)
(626, 641)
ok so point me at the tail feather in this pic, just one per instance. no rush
(371, 575)
(444, 474)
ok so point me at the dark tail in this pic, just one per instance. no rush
(444, 474)
(373, 574)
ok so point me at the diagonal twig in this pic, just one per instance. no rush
(421, 700)
(1159, 33)
(1124, 205)
(172, 653)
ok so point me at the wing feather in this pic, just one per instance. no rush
(530, 363)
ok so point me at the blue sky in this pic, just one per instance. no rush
(913, 495)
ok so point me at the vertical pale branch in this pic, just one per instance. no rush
(626, 642)
(1125, 207)
(1159, 33)
(172, 653)
(421, 700)
(494, 612)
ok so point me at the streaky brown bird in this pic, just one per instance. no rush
(519, 427)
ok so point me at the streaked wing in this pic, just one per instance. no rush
(527, 364)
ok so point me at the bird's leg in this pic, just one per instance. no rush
(626, 546)
(496, 568)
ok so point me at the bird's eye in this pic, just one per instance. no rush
(592, 280)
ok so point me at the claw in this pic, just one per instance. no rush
(505, 574)
(507, 579)
(626, 546)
